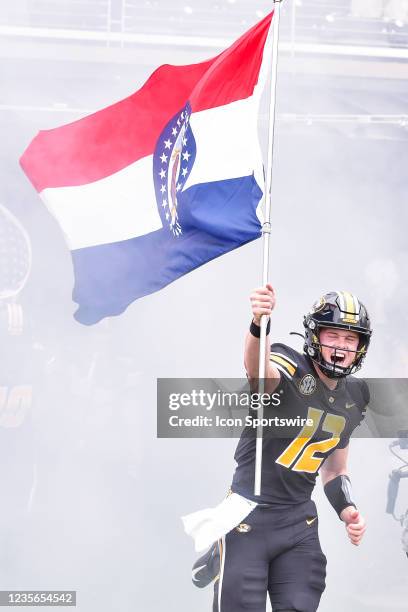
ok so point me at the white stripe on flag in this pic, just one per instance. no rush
(123, 205)
(227, 142)
(115, 208)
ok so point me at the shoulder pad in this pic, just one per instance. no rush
(284, 359)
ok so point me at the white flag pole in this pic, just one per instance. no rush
(266, 231)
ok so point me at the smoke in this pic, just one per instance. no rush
(92, 497)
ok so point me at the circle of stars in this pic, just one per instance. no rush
(186, 160)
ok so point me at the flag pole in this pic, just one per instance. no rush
(266, 231)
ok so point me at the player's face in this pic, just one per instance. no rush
(339, 346)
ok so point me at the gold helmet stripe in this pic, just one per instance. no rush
(342, 300)
(356, 303)
(357, 306)
(350, 305)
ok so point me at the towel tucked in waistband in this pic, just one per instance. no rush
(209, 525)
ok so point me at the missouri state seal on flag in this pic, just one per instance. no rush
(173, 161)
(160, 183)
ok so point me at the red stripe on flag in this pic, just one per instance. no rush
(107, 141)
(233, 74)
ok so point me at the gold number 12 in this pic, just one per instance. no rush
(307, 462)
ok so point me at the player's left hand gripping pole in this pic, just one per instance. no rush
(266, 230)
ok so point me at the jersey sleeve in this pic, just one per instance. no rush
(366, 392)
(283, 358)
(361, 394)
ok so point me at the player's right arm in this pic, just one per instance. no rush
(263, 302)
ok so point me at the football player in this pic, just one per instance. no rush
(277, 550)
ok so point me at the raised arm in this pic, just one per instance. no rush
(262, 303)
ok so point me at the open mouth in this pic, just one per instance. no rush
(338, 357)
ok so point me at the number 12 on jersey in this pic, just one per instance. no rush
(303, 450)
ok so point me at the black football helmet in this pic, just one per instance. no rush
(342, 310)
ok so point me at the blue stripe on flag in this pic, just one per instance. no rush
(215, 218)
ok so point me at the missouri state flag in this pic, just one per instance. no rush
(160, 183)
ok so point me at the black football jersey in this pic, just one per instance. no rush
(290, 465)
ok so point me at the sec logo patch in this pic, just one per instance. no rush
(307, 385)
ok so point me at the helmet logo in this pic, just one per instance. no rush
(307, 385)
(319, 305)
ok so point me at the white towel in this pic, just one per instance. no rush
(209, 525)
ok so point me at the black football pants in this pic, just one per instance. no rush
(277, 551)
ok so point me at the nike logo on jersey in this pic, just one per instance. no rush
(311, 521)
(348, 406)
